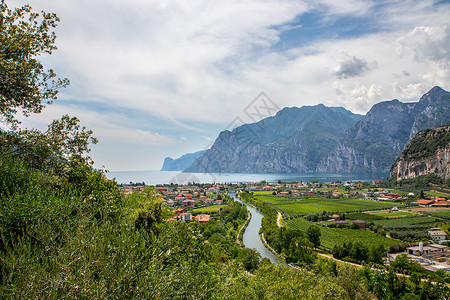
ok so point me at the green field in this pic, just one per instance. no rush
(210, 208)
(394, 214)
(262, 193)
(405, 221)
(337, 236)
(303, 205)
(436, 194)
(445, 214)
(363, 216)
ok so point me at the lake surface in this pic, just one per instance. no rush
(251, 237)
(167, 177)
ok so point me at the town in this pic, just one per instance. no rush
(400, 221)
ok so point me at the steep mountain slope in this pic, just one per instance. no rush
(294, 140)
(374, 142)
(428, 152)
(181, 163)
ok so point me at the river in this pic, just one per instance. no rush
(251, 236)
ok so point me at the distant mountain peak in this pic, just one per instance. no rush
(181, 163)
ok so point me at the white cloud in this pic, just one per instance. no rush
(352, 67)
(427, 44)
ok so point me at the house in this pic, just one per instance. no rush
(334, 217)
(310, 193)
(202, 218)
(185, 217)
(431, 249)
(340, 223)
(209, 201)
(170, 202)
(425, 202)
(188, 202)
(179, 211)
(360, 223)
(437, 235)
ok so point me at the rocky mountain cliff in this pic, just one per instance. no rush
(294, 140)
(374, 143)
(428, 152)
(181, 163)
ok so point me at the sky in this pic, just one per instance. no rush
(164, 78)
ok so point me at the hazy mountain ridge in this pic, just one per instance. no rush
(374, 143)
(428, 152)
(294, 140)
(181, 163)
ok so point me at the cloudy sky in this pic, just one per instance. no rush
(157, 78)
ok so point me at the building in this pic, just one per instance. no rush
(430, 250)
(185, 217)
(188, 202)
(202, 218)
(425, 202)
(437, 235)
(360, 223)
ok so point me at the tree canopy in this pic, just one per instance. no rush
(25, 86)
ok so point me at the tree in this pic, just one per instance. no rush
(313, 233)
(24, 84)
(64, 144)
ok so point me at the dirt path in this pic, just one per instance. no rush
(280, 217)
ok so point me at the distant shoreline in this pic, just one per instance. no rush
(155, 177)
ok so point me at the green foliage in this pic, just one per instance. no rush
(405, 265)
(62, 150)
(313, 232)
(417, 184)
(426, 143)
(24, 84)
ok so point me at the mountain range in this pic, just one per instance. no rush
(292, 141)
(325, 139)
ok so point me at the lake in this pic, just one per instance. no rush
(176, 177)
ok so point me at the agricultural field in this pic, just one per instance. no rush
(341, 190)
(394, 214)
(363, 216)
(405, 221)
(303, 205)
(436, 194)
(337, 236)
(210, 208)
(443, 214)
(256, 193)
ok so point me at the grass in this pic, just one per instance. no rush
(336, 236)
(213, 208)
(303, 205)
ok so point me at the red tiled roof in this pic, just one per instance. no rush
(425, 202)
